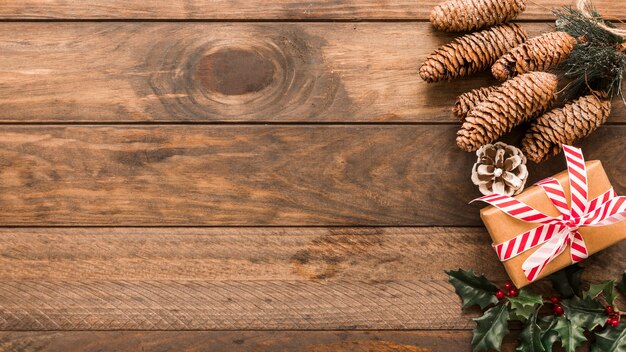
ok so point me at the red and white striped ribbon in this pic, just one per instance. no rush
(556, 234)
(577, 180)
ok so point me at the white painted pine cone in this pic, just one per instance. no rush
(501, 169)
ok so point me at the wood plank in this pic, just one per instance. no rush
(356, 254)
(271, 254)
(245, 278)
(235, 72)
(250, 10)
(244, 341)
(182, 175)
(228, 305)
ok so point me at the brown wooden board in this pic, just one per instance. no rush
(228, 305)
(244, 341)
(251, 175)
(242, 253)
(271, 254)
(120, 124)
(245, 278)
(258, 9)
(236, 72)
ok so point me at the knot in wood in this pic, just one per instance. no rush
(235, 72)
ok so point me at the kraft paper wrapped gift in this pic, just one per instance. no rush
(503, 227)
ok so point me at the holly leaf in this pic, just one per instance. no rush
(622, 284)
(524, 304)
(611, 340)
(585, 313)
(567, 281)
(491, 329)
(548, 335)
(604, 287)
(473, 289)
(571, 335)
(546, 321)
(530, 338)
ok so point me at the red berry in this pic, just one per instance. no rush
(609, 310)
(558, 310)
(508, 286)
(500, 294)
(513, 293)
(614, 323)
(555, 300)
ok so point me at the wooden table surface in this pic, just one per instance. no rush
(241, 176)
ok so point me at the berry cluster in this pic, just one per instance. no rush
(557, 309)
(613, 319)
(509, 291)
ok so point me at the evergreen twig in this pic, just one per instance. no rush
(598, 62)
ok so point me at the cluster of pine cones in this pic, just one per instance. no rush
(528, 91)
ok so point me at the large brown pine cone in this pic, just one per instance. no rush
(514, 102)
(470, 15)
(471, 53)
(467, 101)
(537, 54)
(574, 121)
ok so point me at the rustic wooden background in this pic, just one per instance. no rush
(241, 176)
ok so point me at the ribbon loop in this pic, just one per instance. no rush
(553, 188)
(555, 234)
(577, 171)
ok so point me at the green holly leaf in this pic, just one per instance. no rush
(604, 287)
(524, 304)
(546, 321)
(548, 335)
(585, 313)
(571, 335)
(491, 329)
(530, 338)
(567, 281)
(611, 340)
(549, 338)
(473, 289)
(622, 284)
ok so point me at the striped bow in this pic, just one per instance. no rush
(555, 234)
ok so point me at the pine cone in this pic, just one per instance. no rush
(470, 15)
(467, 101)
(500, 169)
(537, 54)
(471, 53)
(514, 102)
(575, 120)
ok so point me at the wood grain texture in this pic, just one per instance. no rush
(239, 278)
(271, 254)
(250, 175)
(245, 278)
(244, 341)
(258, 9)
(237, 72)
(228, 305)
(359, 254)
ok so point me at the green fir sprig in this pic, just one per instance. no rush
(569, 318)
(598, 62)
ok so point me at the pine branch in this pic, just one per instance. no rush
(598, 62)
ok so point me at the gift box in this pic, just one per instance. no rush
(547, 227)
